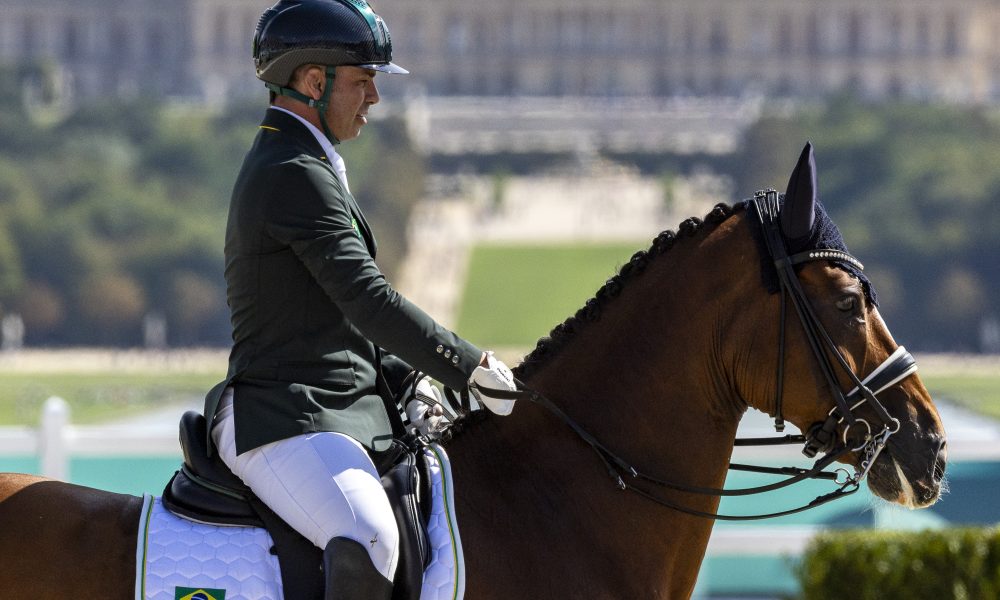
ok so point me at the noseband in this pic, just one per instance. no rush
(821, 437)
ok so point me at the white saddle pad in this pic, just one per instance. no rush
(179, 559)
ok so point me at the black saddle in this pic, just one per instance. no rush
(206, 491)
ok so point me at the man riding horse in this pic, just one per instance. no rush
(319, 335)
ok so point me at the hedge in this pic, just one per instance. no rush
(959, 563)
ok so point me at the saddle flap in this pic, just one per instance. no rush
(406, 486)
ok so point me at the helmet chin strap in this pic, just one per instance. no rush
(320, 105)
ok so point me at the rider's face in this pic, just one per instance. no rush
(353, 93)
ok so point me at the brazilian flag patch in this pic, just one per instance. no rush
(184, 593)
(354, 224)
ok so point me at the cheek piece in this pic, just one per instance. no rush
(320, 105)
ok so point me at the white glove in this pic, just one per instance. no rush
(497, 376)
(426, 415)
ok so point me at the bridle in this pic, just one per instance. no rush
(821, 437)
(899, 365)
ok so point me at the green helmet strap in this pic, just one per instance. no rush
(320, 105)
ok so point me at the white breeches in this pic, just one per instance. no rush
(322, 484)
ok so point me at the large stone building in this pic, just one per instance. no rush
(880, 48)
(196, 49)
(924, 49)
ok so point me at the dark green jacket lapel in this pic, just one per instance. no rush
(281, 122)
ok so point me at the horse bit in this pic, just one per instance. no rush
(821, 437)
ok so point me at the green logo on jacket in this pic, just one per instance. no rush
(354, 224)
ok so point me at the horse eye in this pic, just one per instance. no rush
(846, 304)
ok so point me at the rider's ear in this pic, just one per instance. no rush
(799, 210)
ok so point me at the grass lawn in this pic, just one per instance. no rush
(96, 396)
(977, 392)
(516, 294)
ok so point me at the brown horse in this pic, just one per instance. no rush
(659, 366)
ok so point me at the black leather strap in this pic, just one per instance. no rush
(392, 408)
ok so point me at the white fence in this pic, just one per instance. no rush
(56, 440)
(970, 437)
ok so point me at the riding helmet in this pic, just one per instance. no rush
(327, 32)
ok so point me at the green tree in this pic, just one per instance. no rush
(913, 190)
(120, 210)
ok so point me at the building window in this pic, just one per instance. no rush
(30, 42)
(155, 46)
(603, 33)
(719, 38)
(524, 33)
(895, 89)
(786, 35)
(922, 45)
(482, 35)
(661, 35)
(759, 43)
(570, 30)
(855, 35)
(663, 84)
(814, 40)
(118, 40)
(458, 35)
(895, 38)
(71, 41)
(219, 41)
(622, 34)
(691, 35)
(952, 36)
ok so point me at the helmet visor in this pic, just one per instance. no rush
(386, 68)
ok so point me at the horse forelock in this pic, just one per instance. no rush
(549, 346)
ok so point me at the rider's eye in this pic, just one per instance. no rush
(847, 303)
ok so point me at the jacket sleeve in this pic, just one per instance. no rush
(313, 217)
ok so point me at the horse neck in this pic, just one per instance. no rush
(644, 379)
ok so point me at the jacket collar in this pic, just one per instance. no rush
(277, 120)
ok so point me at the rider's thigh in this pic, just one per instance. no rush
(324, 485)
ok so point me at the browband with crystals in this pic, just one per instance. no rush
(824, 254)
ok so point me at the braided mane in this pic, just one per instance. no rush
(549, 346)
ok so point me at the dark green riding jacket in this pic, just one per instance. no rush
(310, 309)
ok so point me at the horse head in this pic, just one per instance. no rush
(849, 342)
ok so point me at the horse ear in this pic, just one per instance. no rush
(799, 210)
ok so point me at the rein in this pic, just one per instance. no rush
(820, 438)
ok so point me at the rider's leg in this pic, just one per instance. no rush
(325, 486)
(350, 575)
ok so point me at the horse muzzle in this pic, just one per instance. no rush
(911, 477)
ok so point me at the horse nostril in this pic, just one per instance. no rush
(939, 462)
(928, 494)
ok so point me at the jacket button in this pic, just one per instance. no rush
(447, 353)
(440, 349)
(454, 360)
